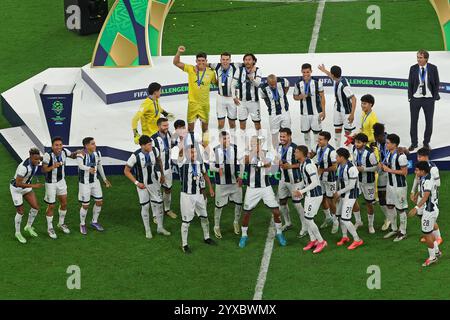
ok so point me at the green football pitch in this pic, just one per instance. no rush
(120, 263)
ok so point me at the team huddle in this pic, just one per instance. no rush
(370, 167)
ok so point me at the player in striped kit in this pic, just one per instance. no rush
(226, 168)
(273, 92)
(290, 180)
(163, 142)
(346, 195)
(313, 198)
(345, 104)
(225, 106)
(396, 193)
(192, 175)
(21, 187)
(367, 164)
(143, 168)
(423, 154)
(325, 159)
(380, 140)
(257, 164)
(53, 167)
(428, 204)
(246, 82)
(309, 91)
(89, 165)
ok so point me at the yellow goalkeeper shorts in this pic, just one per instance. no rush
(197, 111)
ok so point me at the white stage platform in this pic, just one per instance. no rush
(381, 74)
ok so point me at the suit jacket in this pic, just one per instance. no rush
(432, 83)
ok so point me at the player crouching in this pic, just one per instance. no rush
(146, 163)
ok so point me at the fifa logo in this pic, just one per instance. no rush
(73, 21)
(57, 107)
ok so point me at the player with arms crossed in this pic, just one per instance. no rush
(345, 196)
(200, 78)
(428, 204)
(313, 198)
(290, 180)
(192, 201)
(345, 104)
(396, 193)
(21, 187)
(367, 164)
(423, 154)
(142, 169)
(325, 158)
(53, 167)
(274, 94)
(226, 168)
(257, 165)
(309, 91)
(89, 164)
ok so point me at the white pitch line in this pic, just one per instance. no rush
(316, 29)
(265, 262)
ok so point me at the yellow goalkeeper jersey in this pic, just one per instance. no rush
(367, 122)
(149, 113)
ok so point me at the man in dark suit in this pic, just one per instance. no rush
(423, 91)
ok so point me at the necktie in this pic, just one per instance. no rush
(422, 76)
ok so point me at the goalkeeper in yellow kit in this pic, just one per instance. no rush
(149, 113)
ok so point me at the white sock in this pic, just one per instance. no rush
(95, 213)
(432, 253)
(436, 247)
(17, 222)
(437, 233)
(315, 230)
(315, 140)
(385, 211)
(357, 216)
(233, 135)
(337, 139)
(244, 231)
(307, 140)
(237, 213)
(351, 228)
(83, 214)
(343, 228)
(285, 213)
(327, 213)
(205, 226)
(392, 216)
(184, 233)
(278, 227)
(217, 214)
(145, 214)
(167, 199)
(301, 214)
(62, 216)
(275, 141)
(49, 222)
(157, 209)
(403, 222)
(31, 216)
(370, 218)
(312, 234)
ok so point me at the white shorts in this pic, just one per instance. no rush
(168, 176)
(312, 205)
(225, 107)
(251, 108)
(254, 195)
(310, 122)
(192, 204)
(345, 208)
(367, 190)
(228, 192)
(279, 121)
(285, 190)
(397, 196)
(428, 220)
(382, 181)
(55, 189)
(88, 190)
(152, 193)
(17, 194)
(328, 188)
(341, 119)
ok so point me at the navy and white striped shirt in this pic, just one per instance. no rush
(257, 177)
(248, 90)
(92, 160)
(312, 104)
(145, 166)
(308, 169)
(26, 171)
(347, 176)
(275, 98)
(343, 94)
(365, 158)
(287, 155)
(326, 158)
(225, 78)
(225, 158)
(396, 161)
(50, 158)
(191, 176)
(427, 184)
(163, 144)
